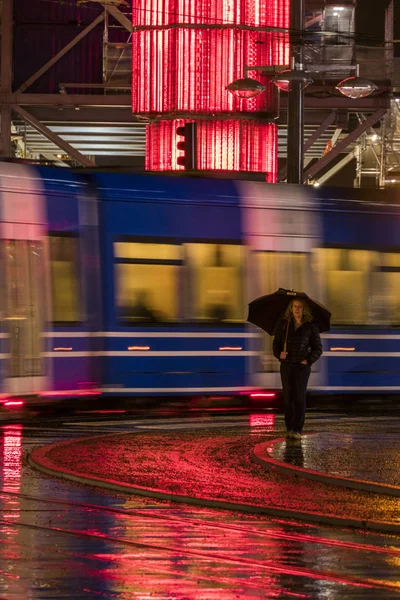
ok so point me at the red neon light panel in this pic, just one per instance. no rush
(181, 66)
(221, 145)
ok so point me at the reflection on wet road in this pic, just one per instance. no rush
(61, 540)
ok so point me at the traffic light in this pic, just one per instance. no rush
(188, 145)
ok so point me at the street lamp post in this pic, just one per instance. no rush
(295, 141)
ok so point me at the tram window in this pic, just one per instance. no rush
(216, 277)
(64, 279)
(384, 295)
(281, 269)
(147, 281)
(346, 273)
(146, 251)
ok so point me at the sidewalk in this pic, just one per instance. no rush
(346, 477)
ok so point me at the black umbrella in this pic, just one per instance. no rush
(266, 311)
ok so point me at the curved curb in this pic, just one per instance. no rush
(40, 461)
(261, 455)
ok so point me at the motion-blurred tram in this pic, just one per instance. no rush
(138, 285)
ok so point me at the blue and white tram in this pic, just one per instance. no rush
(138, 285)
(196, 251)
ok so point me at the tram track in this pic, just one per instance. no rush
(140, 512)
(275, 568)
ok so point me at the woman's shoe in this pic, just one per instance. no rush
(296, 435)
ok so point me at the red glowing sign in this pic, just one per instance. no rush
(218, 146)
(185, 53)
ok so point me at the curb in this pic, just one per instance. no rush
(261, 455)
(39, 460)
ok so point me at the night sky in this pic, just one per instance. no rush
(370, 17)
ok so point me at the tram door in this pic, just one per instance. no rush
(23, 280)
(24, 318)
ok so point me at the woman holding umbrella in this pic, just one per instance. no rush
(297, 344)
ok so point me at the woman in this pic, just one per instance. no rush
(304, 347)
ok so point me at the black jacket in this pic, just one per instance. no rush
(302, 344)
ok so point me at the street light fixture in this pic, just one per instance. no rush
(294, 81)
(246, 88)
(285, 80)
(356, 87)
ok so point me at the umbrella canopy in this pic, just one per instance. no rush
(266, 311)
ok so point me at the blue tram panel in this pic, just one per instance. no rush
(74, 317)
(360, 274)
(360, 218)
(62, 191)
(174, 302)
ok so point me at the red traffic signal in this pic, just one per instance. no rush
(188, 146)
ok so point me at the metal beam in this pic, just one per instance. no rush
(321, 129)
(60, 54)
(6, 45)
(362, 105)
(53, 137)
(5, 132)
(341, 147)
(57, 161)
(336, 135)
(338, 167)
(336, 102)
(118, 16)
(93, 86)
(101, 116)
(71, 100)
(312, 139)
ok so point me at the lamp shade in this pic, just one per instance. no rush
(356, 87)
(246, 87)
(285, 79)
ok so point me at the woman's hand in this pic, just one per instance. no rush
(304, 362)
(283, 355)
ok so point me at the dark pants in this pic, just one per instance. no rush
(294, 382)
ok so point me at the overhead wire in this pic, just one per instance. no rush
(373, 40)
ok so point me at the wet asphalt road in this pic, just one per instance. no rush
(63, 540)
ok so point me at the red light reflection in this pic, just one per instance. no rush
(10, 403)
(101, 412)
(12, 457)
(63, 393)
(262, 420)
